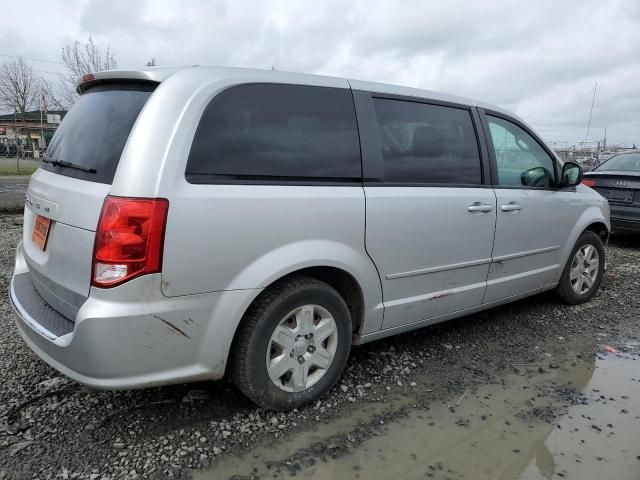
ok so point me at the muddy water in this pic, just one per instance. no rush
(580, 420)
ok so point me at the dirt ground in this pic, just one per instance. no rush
(531, 390)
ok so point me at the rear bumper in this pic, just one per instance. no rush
(625, 225)
(624, 218)
(140, 340)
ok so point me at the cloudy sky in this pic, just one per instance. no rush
(539, 58)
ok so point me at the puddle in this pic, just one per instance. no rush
(580, 420)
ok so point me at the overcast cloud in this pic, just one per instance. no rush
(540, 59)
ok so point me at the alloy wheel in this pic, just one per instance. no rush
(302, 348)
(584, 269)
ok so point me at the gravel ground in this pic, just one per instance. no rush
(12, 191)
(51, 427)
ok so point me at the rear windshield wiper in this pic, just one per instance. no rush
(63, 163)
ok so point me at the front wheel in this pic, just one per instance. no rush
(584, 270)
(292, 345)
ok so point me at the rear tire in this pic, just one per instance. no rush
(584, 270)
(292, 344)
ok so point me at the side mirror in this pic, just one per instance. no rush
(571, 175)
(538, 177)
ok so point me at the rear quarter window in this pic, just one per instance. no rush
(274, 132)
(94, 132)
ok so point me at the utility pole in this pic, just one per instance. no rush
(604, 145)
(15, 137)
(591, 113)
(41, 142)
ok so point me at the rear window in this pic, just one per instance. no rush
(94, 132)
(625, 161)
(263, 132)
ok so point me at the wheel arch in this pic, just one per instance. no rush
(339, 279)
(345, 284)
(347, 269)
(592, 220)
(600, 229)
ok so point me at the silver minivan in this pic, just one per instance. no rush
(192, 222)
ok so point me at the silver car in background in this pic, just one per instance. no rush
(192, 222)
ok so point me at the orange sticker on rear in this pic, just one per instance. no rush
(41, 232)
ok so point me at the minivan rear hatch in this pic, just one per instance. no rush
(66, 194)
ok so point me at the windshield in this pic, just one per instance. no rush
(94, 132)
(625, 161)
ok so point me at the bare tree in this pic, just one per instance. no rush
(53, 94)
(19, 86)
(82, 58)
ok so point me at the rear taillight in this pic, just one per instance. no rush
(589, 183)
(129, 239)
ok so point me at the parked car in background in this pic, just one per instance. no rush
(618, 180)
(188, 223)
(586, 163)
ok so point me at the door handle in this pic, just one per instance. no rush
(479, 207)
(511, 207)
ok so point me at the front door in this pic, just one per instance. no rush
(534, 217)
(430, 219)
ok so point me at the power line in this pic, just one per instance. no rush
(31, 58)
(37, 60)
(47, 71)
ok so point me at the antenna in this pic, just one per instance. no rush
(590, 113)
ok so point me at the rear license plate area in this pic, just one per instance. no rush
(620, 196)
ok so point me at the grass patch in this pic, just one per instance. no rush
(26, 170)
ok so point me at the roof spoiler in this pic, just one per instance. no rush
(151, 75)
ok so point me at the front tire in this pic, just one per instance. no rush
(292, 345)
(584, 270)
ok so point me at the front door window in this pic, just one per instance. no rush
(521, 161)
